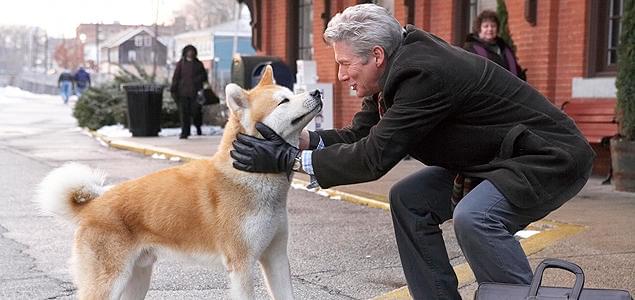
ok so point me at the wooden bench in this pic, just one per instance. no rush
(595, 119)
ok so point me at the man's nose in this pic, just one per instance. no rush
(342, 76)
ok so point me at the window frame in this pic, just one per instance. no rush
(132, 56)
(598, 39)
(138, 41)
(305, 35)
(465, 12)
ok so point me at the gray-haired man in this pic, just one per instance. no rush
(462, 116)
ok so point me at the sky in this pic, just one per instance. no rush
(61, 17)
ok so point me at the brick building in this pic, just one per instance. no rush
(568, 46)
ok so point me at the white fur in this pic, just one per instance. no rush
(53, 192)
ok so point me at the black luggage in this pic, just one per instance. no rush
(503, 291)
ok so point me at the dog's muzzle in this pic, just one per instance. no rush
(314, 101)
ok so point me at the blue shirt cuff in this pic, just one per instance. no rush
(307, 164)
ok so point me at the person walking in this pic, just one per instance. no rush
(458, 114)
(189, 77)
(82, 81)
(484, 41)
(65, 85)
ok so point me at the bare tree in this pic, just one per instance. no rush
(205, 13)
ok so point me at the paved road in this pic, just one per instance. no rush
(337, 251)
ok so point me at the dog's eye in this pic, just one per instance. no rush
(285, 100)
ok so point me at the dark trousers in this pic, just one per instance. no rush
(484, 223)
(190, 111)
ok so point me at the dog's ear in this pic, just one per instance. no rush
(236, 98)
(267, 77)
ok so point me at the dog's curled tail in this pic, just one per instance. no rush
(64, 190)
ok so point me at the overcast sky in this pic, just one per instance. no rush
(61, 17)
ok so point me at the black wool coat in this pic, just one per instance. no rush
(450, 108)
(188, 78)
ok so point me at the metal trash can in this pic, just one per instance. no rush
(144, 108)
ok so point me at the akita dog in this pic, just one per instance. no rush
(205, 209)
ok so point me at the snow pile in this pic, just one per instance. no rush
(11, 94)
(118, 131)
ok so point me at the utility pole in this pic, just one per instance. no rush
(46, 52)
(155, 53)
(97, 50)
(237, 16)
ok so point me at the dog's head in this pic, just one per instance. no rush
(275, 106)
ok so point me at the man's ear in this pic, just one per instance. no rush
(378, 56)
(236, 98)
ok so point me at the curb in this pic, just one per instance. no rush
(553, 232)
(145, 149)
(185, 156)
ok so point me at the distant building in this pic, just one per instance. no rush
(86, 36)
(133, 46)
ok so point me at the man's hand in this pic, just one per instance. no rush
(269, 155)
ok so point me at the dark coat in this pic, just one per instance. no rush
(450, 108)
(189, 76)
(499, 58)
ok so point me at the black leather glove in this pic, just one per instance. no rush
(269, 155)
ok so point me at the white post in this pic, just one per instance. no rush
(235, 46)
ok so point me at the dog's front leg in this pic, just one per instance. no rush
(242, 281)
(274, 263)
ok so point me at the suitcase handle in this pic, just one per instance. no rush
(558, 264)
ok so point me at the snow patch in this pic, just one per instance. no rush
(118, 131)
(523, 234)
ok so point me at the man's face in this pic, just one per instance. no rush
(189, 54)
(361, 77)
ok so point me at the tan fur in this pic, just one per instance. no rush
(193, 209)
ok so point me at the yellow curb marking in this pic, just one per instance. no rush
(349, 197)
(150, 150)
(531, 245)
(145, 149)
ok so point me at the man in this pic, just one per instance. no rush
(459, 114)
(65, 84)
(82, 81)
(189, 77)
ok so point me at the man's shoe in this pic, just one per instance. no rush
(183, 137)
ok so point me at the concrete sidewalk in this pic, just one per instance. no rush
(595, 230)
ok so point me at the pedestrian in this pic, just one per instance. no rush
(65, 84)
(484, 41)
(189, 77)
(82, 81)
(461, 116)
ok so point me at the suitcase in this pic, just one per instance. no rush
(504, 291)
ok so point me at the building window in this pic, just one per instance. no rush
(138, 41)
(305, 30)
(132, 56)
(464, 14)
(147, 41)
(472, 14)
(604, 29)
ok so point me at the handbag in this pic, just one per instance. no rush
(207, 97)
(504, 291)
